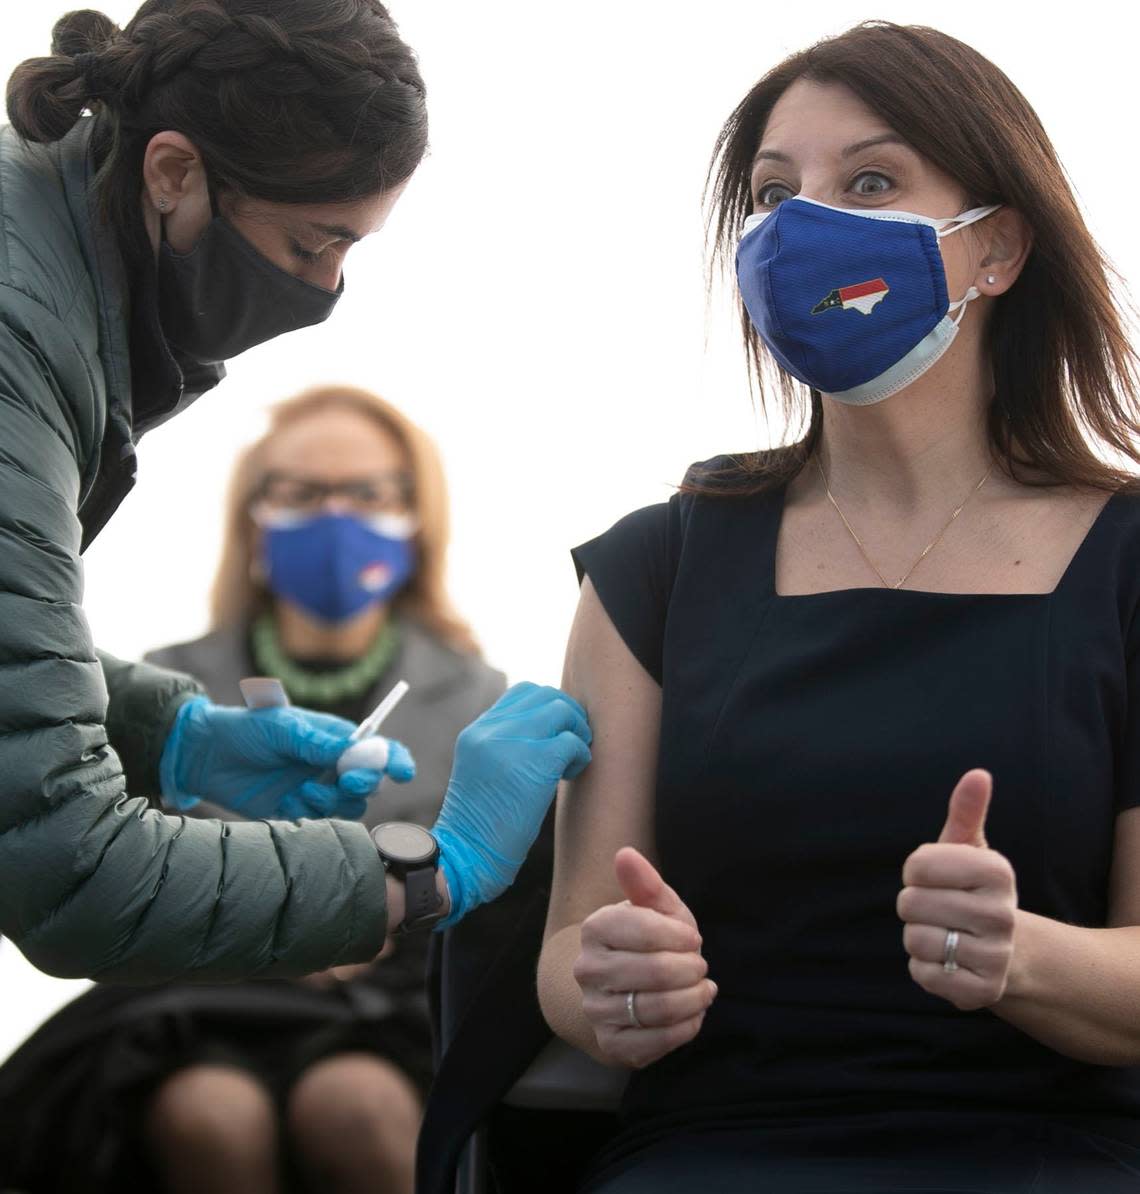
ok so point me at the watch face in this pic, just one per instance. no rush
(404, 842)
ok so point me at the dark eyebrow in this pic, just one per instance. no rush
(337, 230)
(774, 155)
(882, 139)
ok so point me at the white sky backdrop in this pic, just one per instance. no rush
(536, 301)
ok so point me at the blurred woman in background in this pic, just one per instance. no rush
(332, 580)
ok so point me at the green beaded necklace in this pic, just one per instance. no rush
(321, 688)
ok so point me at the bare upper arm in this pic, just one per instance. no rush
(1124, 882)
(611, 804)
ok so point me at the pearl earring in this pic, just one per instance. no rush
(990, 279)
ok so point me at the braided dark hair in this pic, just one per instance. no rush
(292, 101)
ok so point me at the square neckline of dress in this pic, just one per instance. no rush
(777, 522)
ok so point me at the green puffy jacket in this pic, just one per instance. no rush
(92, 882)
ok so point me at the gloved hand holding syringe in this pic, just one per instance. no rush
(273, 760)
(368, 754)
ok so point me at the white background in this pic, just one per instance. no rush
(537, 302)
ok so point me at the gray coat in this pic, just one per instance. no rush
(93, 881)
(448, 691)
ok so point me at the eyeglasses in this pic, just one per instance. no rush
(375, 493)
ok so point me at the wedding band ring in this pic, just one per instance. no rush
(950, 953)
(631, 1011)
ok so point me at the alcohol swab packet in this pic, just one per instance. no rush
(263, 692)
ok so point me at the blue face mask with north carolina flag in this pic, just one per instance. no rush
(334, 566)
(852, 303)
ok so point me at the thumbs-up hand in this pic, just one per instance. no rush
(959, 905)
(641, 972)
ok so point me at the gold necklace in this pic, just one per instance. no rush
(925, 551)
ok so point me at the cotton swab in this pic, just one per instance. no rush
(368, 751)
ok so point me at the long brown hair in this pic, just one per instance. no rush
(293, 101)
(1065, 375)
(239, 595)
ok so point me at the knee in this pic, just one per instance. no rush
(354, 1102)
(212, 1107)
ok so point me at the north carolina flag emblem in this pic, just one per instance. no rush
(373, 578)
(864, 296)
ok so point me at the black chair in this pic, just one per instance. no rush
(511, 1108)
(577, 1097)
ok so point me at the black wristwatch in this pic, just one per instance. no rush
(411, 853)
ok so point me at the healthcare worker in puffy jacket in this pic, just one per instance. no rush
(234, 152)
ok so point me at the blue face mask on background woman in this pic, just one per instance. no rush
(852, 303)
(335, 566)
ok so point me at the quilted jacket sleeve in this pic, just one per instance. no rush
(94, 883)
(142, 702)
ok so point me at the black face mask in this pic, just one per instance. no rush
(224, 297)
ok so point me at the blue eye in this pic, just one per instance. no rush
(874, 190)
(772, 194)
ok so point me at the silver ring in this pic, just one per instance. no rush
(950, 952)
(631, 1011)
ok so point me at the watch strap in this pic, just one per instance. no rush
(422, 901)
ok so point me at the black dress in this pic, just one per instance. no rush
(808, 745)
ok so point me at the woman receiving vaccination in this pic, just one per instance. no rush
(877, 692)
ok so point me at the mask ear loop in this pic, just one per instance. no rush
(964, 221)
(960, 305)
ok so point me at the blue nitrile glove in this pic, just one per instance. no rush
(507, 767)
(276, 763)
